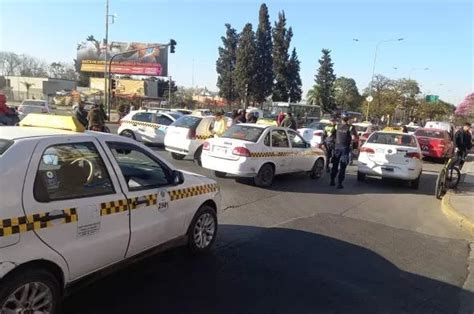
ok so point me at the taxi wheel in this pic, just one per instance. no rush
(177, 156)
(318, 169)
(415, 183)
(265, 176)
(128, 133)
(30, 291)
(220, 174)
(203, 230)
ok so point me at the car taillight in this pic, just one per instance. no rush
(191, 134)
(241, 151)
(206, 146)
(367, 150)
(414, 155)
(318, 133)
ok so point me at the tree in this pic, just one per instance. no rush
(294, 79)
(83, 79)
(346, 94)
(27, 85)
(281, 44)
(264, 78)
(11, 63)
(225, 65)
(30, 66)
(325, 81)
(312, 97)
(245, 69)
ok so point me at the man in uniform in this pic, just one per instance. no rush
(329, 137)
(345, 134)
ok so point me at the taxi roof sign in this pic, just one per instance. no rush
(67, 123)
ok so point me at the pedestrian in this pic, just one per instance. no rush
(463, 142)
(81, 114)
(345, 134)
(96, 119)
(7, 115)
(220, 125)
(242, 118)
(280, 117)
(329, 136)
(235, 116)
(253, 118)
(289, 122)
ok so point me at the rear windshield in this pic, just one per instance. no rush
(317, 126)
(430, 133)
(189, 122)
(244, 132)
(4, 144)
(397, 139)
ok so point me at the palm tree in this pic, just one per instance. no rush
(27, 86)
(312, 97)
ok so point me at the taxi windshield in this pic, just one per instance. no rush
(397, 139)
(244, 132)
(188, 122)
(4, 144)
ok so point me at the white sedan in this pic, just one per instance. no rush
(314, 132)
(261, 152)
(391, 155)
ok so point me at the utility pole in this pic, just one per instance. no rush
(169, 91)
(105, 54)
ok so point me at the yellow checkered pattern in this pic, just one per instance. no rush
(114, 207)
(142, 123)
(33, 222)
(203, 137)
(192, 191)
(284, 154)
(151, 199)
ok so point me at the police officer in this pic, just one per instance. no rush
(329, 136)
(345, 134)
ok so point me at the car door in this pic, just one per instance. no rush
(281, 151)
(142, 124)
(73, 202)
(145, 180)
(301, 158)
(163, 122)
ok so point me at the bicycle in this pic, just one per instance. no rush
(449, 176)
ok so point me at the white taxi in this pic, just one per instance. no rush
(76, 202)
(261, 152)
(391, 155)
(147, 125)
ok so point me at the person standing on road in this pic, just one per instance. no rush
(242, 118)
(329, 136)
(463, 141)
(81, 114)
(280, 117)
(345, 134)
(220, 125)
(96, 119)
(289, 122)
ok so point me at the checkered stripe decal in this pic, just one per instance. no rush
(283, 154)
(33, 222)
(114, 207)
(203, 137)
(192, 191)
(149, 200)
(142, 123)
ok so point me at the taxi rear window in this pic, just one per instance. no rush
(188, 122)
(4, 144)
(397, 139)
(243, 132)
(430, 133)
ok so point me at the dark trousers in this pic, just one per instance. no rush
(329, 153)
(340, 159)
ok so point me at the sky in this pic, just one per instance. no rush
(438, 35)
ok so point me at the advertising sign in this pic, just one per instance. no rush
(124, 86)
(142, 61)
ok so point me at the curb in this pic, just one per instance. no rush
(454, 215)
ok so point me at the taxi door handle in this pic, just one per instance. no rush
(139, 202)
(49, 217)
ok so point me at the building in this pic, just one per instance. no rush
(18, 88)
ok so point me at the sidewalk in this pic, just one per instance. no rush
(458, 204)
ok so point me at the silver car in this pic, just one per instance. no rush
(32, 106)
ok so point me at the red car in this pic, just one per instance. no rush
(435, 143)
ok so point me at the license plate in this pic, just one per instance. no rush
(220, 150)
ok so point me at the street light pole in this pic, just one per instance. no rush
(169, 91)
(106, 98)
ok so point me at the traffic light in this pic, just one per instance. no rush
(114, 84)
(172, 45)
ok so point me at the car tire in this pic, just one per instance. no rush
(360, 176)
(265, 176)
(318, 169)
(220, 174)
(44, 281)
(197, 156)
(177, 156)
(128, 133)
(415, 183)
(202, 231)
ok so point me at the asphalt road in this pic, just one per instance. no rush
(302, 246)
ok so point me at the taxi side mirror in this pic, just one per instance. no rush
(307, 145)
(177, 177)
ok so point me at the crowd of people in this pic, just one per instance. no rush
(94, 119)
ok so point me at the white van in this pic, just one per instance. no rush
(447, 126)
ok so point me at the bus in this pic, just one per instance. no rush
(301, 110)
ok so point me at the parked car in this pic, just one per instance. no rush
(32, 106)
(447, 126)
(391, 155)
(412, 128)
(147, 125)
(364, 129)
(313, 134)
(435, 143)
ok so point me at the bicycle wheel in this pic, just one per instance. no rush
(440, 188)
(453, 177)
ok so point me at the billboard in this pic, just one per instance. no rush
(123, 87)
(145, 61)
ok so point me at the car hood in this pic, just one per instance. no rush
(191, 179)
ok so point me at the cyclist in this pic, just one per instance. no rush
(463, 141)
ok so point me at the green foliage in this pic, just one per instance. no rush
(264, 76)
(346, 94)
(281, 44)
(325, 82)
(246, 66)
(226, 64)
(294, 79)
